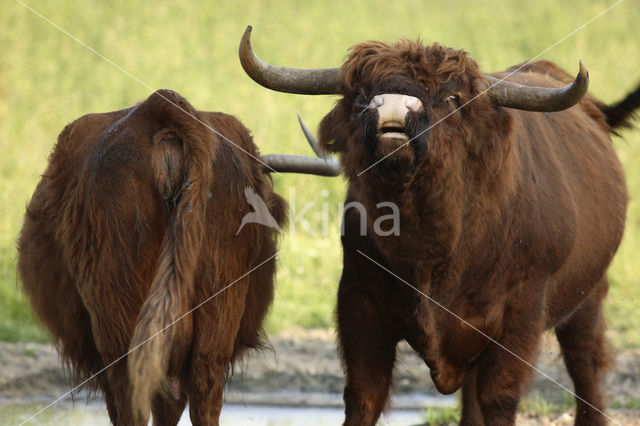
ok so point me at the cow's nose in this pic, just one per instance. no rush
(393, 108)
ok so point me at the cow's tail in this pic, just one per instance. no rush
(169, 298)
(620, 114)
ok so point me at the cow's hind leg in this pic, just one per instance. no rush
(117, 393)
(109, 399)
(216, 326)
(111, 342)
(166, 410)
(583, 346)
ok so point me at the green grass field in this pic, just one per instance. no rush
(47, 79)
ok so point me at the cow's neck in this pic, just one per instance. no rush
(430, 217)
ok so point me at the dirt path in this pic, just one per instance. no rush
(303, 369)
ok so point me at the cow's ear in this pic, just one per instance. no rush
(332, 132)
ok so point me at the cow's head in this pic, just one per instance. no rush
(405, 104)
(394, 98)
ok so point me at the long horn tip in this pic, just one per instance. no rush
(583, 72)
(247, 35)
(245, 51)
(583, 78)
(311, 139)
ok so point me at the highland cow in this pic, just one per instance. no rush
(131, 242)
(512, 204)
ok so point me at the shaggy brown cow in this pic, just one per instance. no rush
(508, 221)
(133, 224)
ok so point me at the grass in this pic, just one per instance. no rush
(47, 79)
(536, 403)
(626, 404)
(441, 415)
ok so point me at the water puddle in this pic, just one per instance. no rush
(94, 414)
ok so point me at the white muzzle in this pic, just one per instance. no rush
(392, 111)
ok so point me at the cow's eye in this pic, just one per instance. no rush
(455, 99)
(361, 102)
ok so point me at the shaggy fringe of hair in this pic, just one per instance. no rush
(374, 61)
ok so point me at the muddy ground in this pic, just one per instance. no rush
(302, 368)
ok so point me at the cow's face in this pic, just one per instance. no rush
(394, 121)
(400, 108)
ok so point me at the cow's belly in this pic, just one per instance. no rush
(583, 270)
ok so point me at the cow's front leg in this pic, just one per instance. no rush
(368, 349)
(506, 364)
(443, 333)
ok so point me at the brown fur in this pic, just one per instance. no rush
(132, 225)
(507, 218)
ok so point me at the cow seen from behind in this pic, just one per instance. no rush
(131, 242)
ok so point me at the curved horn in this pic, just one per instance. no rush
(530, 98)
(312, 140)
(282, 79)
(325, 165)
(300, 164)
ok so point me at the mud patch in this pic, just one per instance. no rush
(303, 368)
